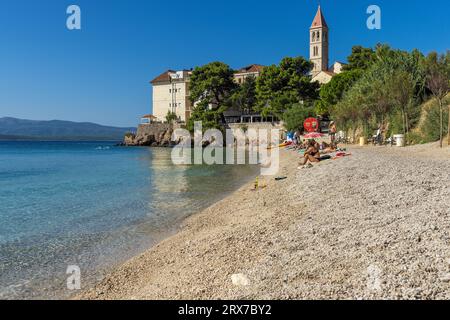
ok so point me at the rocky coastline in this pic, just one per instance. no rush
(151, 135)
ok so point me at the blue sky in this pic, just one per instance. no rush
(102, 73)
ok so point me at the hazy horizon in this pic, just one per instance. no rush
(68, 120)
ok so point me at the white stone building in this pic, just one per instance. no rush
(171, 94)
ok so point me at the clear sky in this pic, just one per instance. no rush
(102, 72)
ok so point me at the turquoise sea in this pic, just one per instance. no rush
(93, 205)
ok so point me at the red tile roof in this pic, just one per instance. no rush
(251, 68)
(163, 77)
(319, 20)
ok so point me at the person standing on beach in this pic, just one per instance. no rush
(297, 137)
(332, 131)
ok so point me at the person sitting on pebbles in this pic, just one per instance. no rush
(312, 154)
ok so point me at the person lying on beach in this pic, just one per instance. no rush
(312, 153)
(329, 148)
(299, 146)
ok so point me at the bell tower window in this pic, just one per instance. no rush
(316, 51)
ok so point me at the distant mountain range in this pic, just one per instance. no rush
(19, 129)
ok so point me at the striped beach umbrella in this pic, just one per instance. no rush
(313, 135)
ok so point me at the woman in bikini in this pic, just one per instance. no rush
(312, 153)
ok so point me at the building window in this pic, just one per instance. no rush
(313, 36)
(315, 51)
(318, 35)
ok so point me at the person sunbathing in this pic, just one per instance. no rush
(330, 148)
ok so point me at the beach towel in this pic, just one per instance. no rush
(341, 155)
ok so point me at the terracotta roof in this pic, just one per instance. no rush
(331, 74)
(163, 77)
(319, 20)
(148, 116)
(251, 68)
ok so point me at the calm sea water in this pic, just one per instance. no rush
(93, 205)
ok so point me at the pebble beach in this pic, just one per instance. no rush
(374, 225)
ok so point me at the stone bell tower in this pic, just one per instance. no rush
(318, 51)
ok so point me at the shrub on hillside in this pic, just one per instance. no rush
(430, 129)
(427, 129)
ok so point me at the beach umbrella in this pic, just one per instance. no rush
(313, 135)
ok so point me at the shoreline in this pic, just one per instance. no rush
(306, 237)
(118, 206)
(188, 223)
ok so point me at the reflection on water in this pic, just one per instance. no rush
(92, 205)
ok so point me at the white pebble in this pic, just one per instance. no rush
(240, 279)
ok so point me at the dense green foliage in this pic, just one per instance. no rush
(212, 84)
(244, 97)
(210, 118)
(295, 116)
(361, 58)
(438, 82)
(331, 93)
(388, 91)
(171, 116)
(280, 87)
(431, 131)
(380, 86)
(211, 87)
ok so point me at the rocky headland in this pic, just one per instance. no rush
(151, 135)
